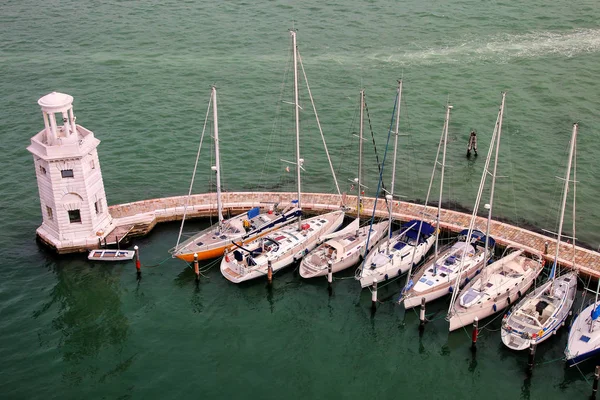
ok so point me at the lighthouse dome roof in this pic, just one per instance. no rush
(55, 101)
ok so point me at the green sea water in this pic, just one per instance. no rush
(140, 73)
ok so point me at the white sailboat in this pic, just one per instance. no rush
(281, 247)
(584, 335)
(395, 255)
(435, 278)
(500, 283)
(343, 248)
(542, 312)
(497, 287)
(213, 241)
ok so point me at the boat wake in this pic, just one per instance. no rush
(500, 48)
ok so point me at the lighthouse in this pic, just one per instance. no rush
(72, 198)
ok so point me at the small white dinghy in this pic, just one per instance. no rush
(111, 255)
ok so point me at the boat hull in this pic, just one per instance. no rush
(485, 309)
(310, 268)
(205, 254)
(215, 247)
(504, 282)
(584, 337)
(394, 268)
(240, 271)
(414, 299)
(519, 336)
(406, 248)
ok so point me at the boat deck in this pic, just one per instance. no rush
(146, 213)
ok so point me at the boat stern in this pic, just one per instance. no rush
(514, 340)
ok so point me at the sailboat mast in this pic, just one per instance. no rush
(474, 214)
(396, 134)
(439, 210)
(491, 203)
(360, 151)
(564, 201)
(217, 156)
(297, 115)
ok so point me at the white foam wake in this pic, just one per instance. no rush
(498, 48)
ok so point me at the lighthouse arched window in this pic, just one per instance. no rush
(72, 202)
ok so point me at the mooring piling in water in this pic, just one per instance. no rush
(270, 273)
(472, 146)
(474, 334)
(138, 263)
(196, 268)
(530, 364)
(329, 275)
(374, 296)
(422, 315)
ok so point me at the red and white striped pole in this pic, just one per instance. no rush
(138, 264)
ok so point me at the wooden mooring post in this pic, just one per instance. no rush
(531, 359)
(374, 296)
(422, 316)
(329, 276)
(196, 268)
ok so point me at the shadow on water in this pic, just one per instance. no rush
(89, 319)
(196, 299)
(526, 388)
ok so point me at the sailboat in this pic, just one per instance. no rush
(397, 254)
(436, 277)
(497, 287)
(343, 249)
(584, 335)
(283, 246)
(213, 241)
(500, 283)
(542, 312)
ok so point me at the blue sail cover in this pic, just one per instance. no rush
(426, 229)
(552, 271)
(478, 236)
(596, 312)
(253, 212)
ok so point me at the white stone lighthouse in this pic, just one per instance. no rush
(74, 208)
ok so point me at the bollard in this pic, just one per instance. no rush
(532, 347)
(546, 248)
(595, 386)
(374, 296)
(138, 264)
(196, 268)
(422, 315)
(474, 334)
(270, 273)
